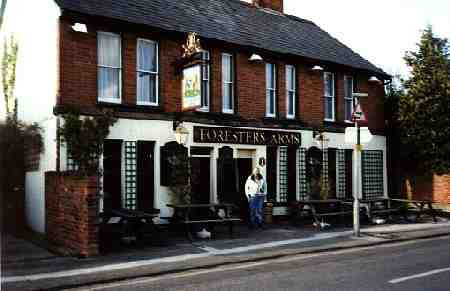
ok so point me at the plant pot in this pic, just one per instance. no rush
(268, 212)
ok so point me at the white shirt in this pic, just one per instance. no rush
(251, 187)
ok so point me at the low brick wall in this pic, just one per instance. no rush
(71, 214)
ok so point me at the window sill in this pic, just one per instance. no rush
(109, 100)
(147, 104)
(338, 123)
(132, 108)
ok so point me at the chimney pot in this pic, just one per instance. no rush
(270, 4)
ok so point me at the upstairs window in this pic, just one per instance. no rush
(109, 67)
(147, 72)
(348, 98)
(270, 90)
(205, 81)
(329, 110)
(290, 91)
(227, 83)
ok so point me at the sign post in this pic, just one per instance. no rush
(358, 116)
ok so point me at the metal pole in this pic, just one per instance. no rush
(356, 205)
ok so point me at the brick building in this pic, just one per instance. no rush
(269, 82)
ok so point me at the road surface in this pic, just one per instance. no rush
(410, 266)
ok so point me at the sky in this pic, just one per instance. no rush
(381, 31)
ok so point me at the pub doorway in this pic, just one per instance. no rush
(244, 169)
(200, 180)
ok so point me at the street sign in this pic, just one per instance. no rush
(351, 135)
(358, 114)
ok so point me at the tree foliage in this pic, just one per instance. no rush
(424, 108)
(84, 136)
(9, 62)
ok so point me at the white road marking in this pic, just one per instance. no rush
(143, 263)
(429, 273)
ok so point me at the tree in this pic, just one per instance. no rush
(2, 11)
(9, 62)
(424, 109)
(84, 137)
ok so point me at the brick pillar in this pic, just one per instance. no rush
(72, 214)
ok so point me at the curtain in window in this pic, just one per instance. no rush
(270, 89)
(290, 87)
(348, 88)
(147, 71)
(227, 75)
(205, 81)
(329, 95)
(109, 66)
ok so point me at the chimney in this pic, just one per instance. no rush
(271, 4)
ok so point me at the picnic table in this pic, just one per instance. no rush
(319, 209)
(388, 206)
(378, 206)
(417, 207)
(121, 223)
(208, 214)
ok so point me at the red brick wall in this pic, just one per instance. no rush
(430, 187)
(71, 214)
(311, 96)
(78, 76)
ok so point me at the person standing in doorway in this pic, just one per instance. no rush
(256, 189)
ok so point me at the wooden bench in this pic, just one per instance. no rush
(208, 214)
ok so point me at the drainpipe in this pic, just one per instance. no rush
(58, 145)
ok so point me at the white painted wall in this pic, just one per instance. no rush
(34, 25)
(35, 181)
(161, 132)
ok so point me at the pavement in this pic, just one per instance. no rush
(28, 267)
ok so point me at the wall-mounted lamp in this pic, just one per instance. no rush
(181, 132)
(320, 139)
(317, 68)
(255, 58)
(79, 27)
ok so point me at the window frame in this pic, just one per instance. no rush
(271, 90)
(347, 98)
(228, 110)
(155, 73)
(333, 97)
(292, 90)
(207, 63)
(120, 68)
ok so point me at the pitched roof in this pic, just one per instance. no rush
(232, 21)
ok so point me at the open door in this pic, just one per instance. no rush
(145, 175)
(112, 174)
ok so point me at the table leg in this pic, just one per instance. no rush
(230, 228)
(421, 206)
(314, 214)
(188, 225)
(432, 211)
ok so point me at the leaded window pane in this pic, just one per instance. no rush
(283, 175)
(372, 174)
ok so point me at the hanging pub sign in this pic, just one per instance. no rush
(191, 84)
(233, 135)
(191, 87)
